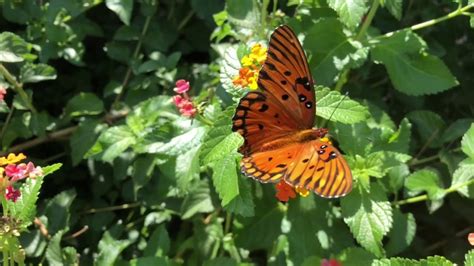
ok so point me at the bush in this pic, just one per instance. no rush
(135, 99)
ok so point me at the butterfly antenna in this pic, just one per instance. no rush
(337, 106)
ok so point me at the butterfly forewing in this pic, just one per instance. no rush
(286, 76)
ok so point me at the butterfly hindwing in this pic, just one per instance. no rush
(285, 76)
(322, 169)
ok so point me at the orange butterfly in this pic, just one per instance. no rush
(277, 125)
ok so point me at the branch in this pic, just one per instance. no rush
(66, 132)
(18, 87)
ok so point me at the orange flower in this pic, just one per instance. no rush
(251, 63)
(470, 238)
(246, 78)
(302, 191)
(284, 191)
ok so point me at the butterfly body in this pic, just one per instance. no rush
(277, 125)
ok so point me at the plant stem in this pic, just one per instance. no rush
(135, 55)
(425, 196)
(186, 20)
(18, 87)
(363, 29)
(113, 208)
(5, 125)
(415, 162)
(429, 23)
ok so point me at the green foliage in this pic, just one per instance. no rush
(90, 85)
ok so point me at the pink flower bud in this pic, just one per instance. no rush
(182, 86)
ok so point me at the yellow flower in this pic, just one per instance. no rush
(258, 53)
(253, 83)
(326, 140)
(246, 61)
(12, 158)
(302, 191)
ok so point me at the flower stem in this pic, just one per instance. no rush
(18, 87)
(425, 196)
(5, 125)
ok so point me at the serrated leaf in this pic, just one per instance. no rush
(350, 11)
(467, 143)
(243, 13)
(110, 248)
(346, 111)
(402, 233)
(25, 207)
(396, 262)
(394, 7)
(469, 258)
(159, 243)
(123, 9)
(31, 73)
(456, 129)
(369, 216)
(462, 176)
(429, 125)
(47, 170)
(83, 139)
(225, 177)
(12, 48)
(84, 104)
(242, 204)
(425, 180)
(54, 251)
(114, 141)
(57, 210)
(411, 70)
(198, 200)
(355, 256)
(331, 50)
(179, 144)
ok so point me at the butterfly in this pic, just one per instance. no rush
(277, 121)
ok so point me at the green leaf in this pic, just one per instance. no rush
(187, 168)
(221, 261)
(243, 13)
(411, 70)
(467, 143)
(179, 144)
(13, 48)
(54, 254)
(57, 210)
(242, 204)
(159, 243)
(369, 216)
(355, 256)
(396, 262)
(110, 248)
(469, 258)
(225, 177)
(84, 104)
(425, 180)
(83, 139)
(402, 233)
(429, 125)
(198, 200)
(31, 73)
(341, 108)
(456, 129)
(47, 170)
(331, 50)
(394, 7)
(24, 208)
(262, 230)
(350, 12)
(143, 167)
(144, 261)
(462, 176)
(123, 9)
(113, 142)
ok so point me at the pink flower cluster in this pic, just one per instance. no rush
(182, 100)
(11, 172)
(3, 92)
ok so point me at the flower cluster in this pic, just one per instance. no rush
(285, 191)
(182, 100)
(12, 171)
(251, 63)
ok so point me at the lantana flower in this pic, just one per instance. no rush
(284, 191)
(470, 238)
(330, 262)
(12, 194)
(13, 172)
(182, 101)
(251, 63)
(12, 159)
(3, 92)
